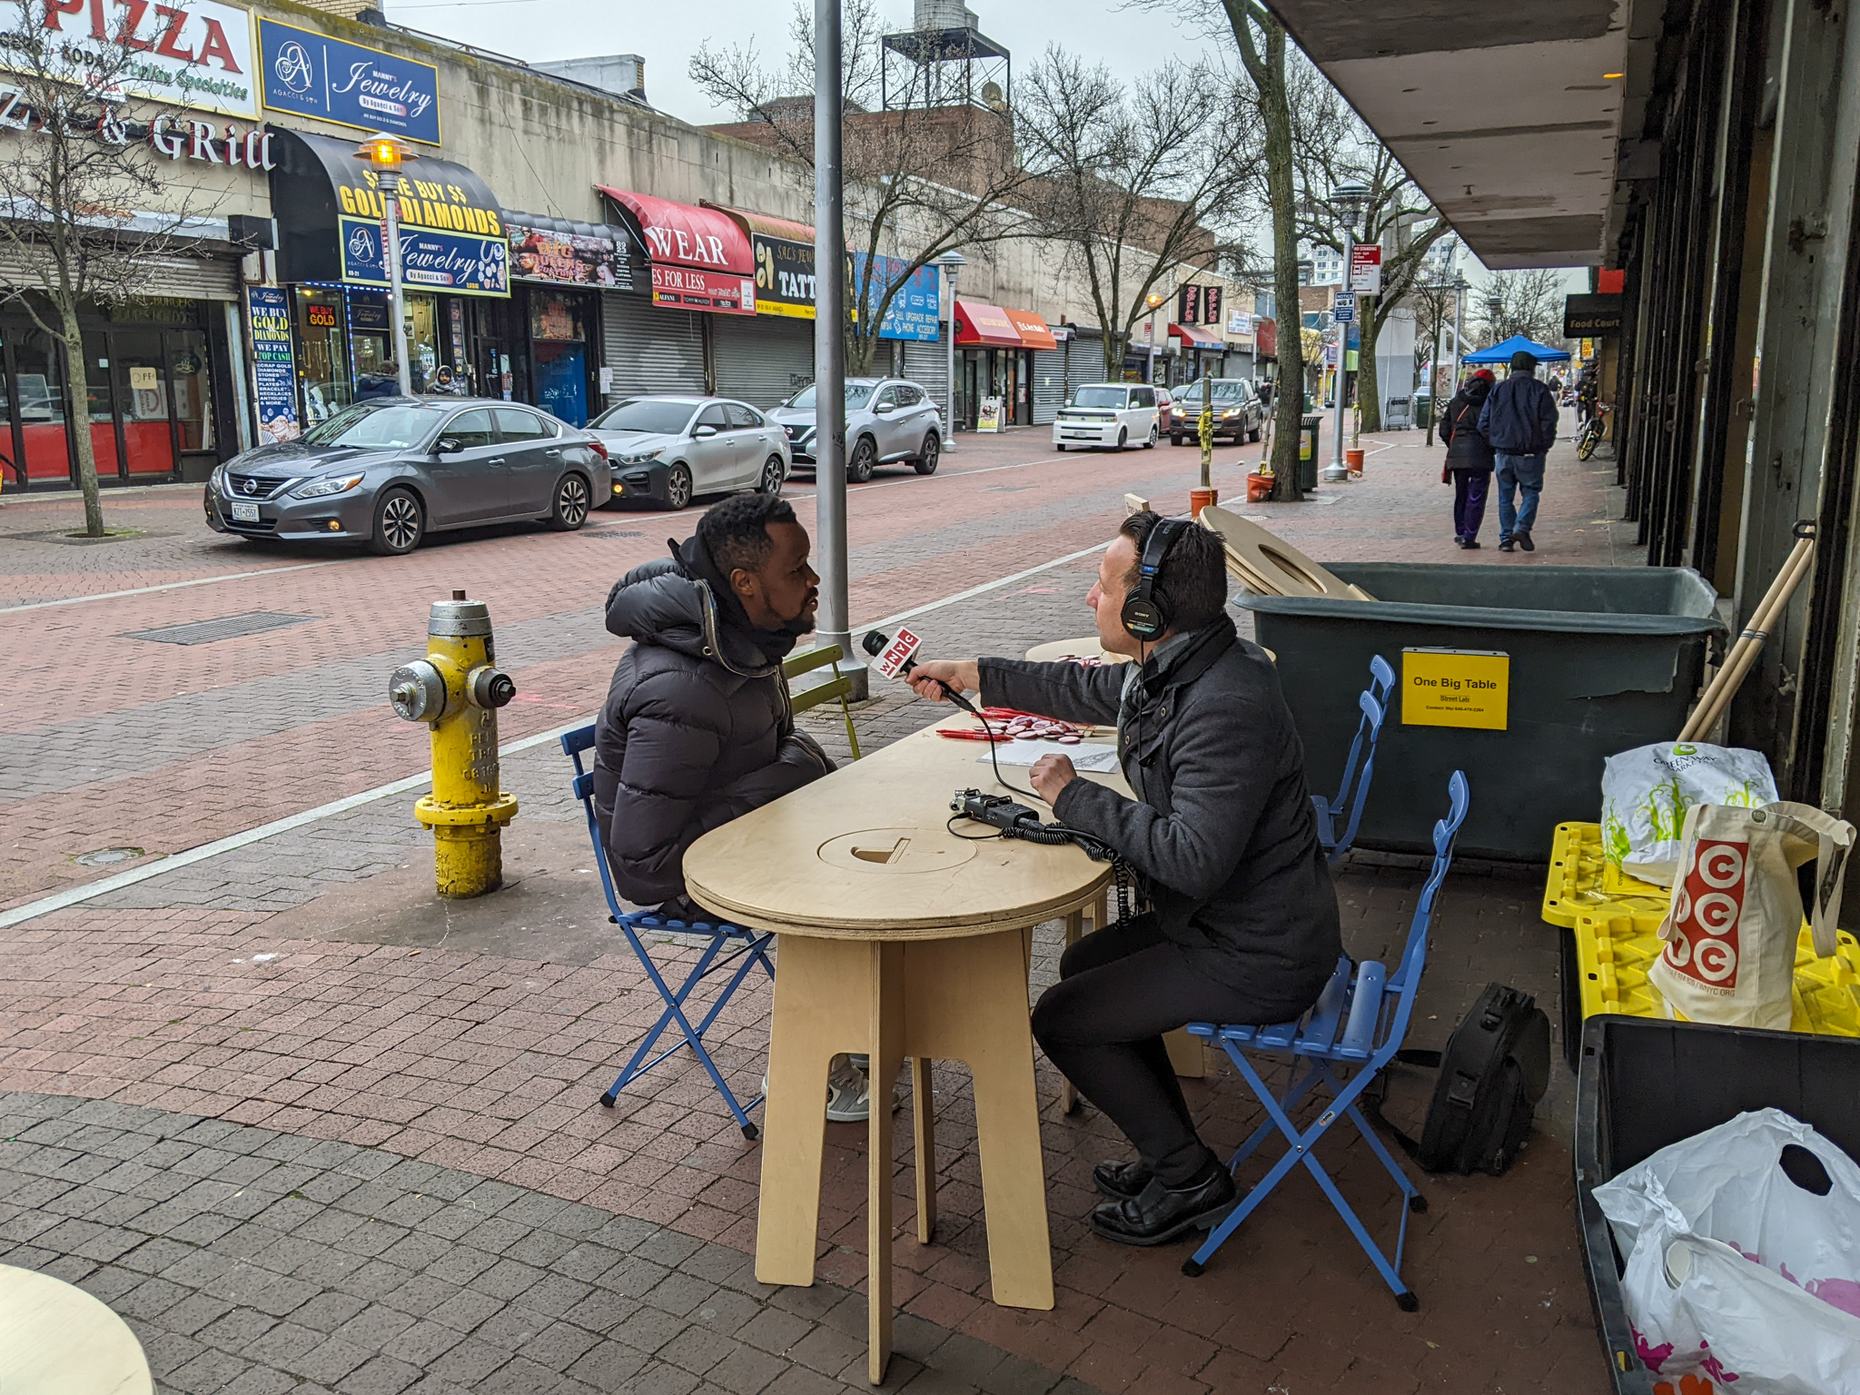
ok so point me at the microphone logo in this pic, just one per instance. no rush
(894, 655)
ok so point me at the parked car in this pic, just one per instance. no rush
(887, 420)
(390, 470)
(1165, 406)
(1108, 414)
(1238, 412)
(672, 449)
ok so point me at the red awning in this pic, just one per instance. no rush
(978, 322)
(1032, 329)
(1198, 337)
(700, 257)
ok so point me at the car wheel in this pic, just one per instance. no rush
(1175, 440)
(864, 457)
(400, 523)
(1155, 436)
(1058, 447)
(1123, 437)
(678, 487)
(773, 473)
(1252, 436)
(930, 456)
(572, 503)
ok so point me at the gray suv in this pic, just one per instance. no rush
(1238, 412)
(887, 420)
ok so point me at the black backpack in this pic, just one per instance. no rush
(1494, 1071)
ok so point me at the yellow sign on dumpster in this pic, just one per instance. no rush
(1456, 688)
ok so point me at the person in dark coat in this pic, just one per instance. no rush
(1242, 924)
(1469, 456)
(1520, 419)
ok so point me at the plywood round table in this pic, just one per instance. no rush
(56, 1339)
(899, 939)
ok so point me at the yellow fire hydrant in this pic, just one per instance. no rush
(456, 690)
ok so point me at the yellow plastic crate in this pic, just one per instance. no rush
(1616, 948)
(1582, 883)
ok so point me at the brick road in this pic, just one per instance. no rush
(308, 991)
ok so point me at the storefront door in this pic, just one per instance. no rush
(323, 360)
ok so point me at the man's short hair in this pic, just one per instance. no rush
(736, 531)
(1191, 585)
(1524, 361)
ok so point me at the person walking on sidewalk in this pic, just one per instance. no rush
(1520, 420)
(1469, 456)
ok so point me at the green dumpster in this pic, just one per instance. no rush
(1525, 677)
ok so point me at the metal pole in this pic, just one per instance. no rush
(1336, 470)
(1152, 372)
(829, 333)
(1433, 377)
(390, 250)
(1459, 293)
(949, 322)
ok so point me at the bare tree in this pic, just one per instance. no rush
(928, 170)
(1333, 148)
(1527, 302)
(1136, 176)
(76, 184)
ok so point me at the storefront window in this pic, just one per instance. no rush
(39, 381)
(192, 387)
(101, 394)
(323, 366)
(424, 327)
(140, 363)
(368, 336)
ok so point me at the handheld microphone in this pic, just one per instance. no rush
(897, 657)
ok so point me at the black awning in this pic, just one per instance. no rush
(329, 214)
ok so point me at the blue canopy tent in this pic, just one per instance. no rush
(1502, 352)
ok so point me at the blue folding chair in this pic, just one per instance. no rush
(723, 945)
(1357, 768)
(1343, 1043)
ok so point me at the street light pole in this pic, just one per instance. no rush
(1154, 301)
(831, 624)
(952, 263)
(386, 154)
(1459, 297)
(1346, 198)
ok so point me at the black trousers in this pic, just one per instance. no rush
(1102, 1024)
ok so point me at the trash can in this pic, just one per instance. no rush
(1646, 1084)
(1308, 453)
(1526, 678)
(1423, 410)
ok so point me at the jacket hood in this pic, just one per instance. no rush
(682, 603)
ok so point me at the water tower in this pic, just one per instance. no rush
(943, 60)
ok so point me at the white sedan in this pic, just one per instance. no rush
(672, 449)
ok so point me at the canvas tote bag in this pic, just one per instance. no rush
(1737, 910)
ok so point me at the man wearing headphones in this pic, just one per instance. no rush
(1242, 922)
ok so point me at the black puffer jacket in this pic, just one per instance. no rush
(1467, 448)
(696, 730)
(1222, 834)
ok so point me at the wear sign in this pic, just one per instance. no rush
(784, 276)
(897, 653)
(1366, 269)
(1456, 688)
(1708, 903)
(189, 53)
(274, 369)
(721, 292)
(306, 73)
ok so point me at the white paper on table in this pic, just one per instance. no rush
(1096, 757)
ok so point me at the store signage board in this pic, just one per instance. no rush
(1211, 305)
(462, 263)
(169, 136)
(916, 310)
(1366, 269)
(1240, 323)
(1591, 316)
(274, 371)
(189, 53)
(1188, 305)
(1456, 688)
(308, 74)
(784, 276)
(687, 288)
(569, 258)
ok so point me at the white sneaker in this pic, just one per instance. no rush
(849, 1097)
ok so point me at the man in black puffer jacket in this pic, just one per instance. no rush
(697, 729)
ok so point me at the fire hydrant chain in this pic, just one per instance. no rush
(456, 690)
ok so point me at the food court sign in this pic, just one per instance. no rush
(189, 53)
(448, 239)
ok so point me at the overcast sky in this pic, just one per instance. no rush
(667, 34)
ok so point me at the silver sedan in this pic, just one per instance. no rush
(672, 449)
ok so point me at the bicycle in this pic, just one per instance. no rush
(1590, 436)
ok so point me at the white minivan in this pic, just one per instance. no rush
(1107, 414)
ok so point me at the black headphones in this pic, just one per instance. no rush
(1143, 614)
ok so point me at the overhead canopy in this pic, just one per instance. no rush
(1198, 337)
(329, 212)
(1033, 331)
(700, 256)
(1509, 121)
(1501, 352)
(979, 323)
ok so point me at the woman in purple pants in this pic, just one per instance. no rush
(1469, 457)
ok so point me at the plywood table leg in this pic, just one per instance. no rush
(817, 979)
(1076, 929)
(884, 1028)
(923, 1128)
(1186, 1054)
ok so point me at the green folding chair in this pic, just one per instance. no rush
(837, 689)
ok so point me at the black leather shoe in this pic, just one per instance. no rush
(1523, 540)
(1158, 1214)
(1121, 1180)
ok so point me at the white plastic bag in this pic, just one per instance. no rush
(1734, 1270)
(1646, 792)
(1737, 911)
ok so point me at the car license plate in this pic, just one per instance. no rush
(244, 512)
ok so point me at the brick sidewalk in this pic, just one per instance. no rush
(308, 987)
